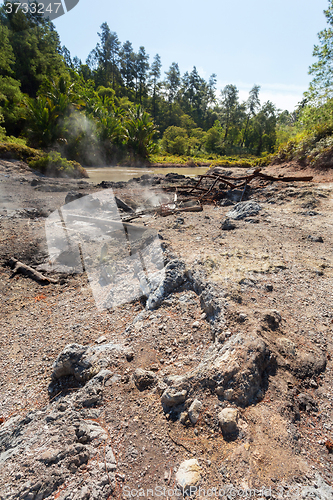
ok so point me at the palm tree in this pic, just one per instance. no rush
(139, 132)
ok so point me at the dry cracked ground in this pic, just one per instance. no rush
(214, 381)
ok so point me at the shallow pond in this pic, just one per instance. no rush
(116, 174)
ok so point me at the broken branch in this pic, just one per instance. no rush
(19, 267)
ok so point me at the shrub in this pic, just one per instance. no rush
(54, 164)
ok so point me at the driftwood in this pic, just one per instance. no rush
(195, 208)
(233, 182)
(19, 267)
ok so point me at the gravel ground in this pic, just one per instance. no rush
(271, 278)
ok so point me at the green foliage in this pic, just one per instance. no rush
(231, 114)
(180, 141)
(321, 86)
(7, 58)
(14, 148)
(313, 148)
(89, 112)
(213, 143)
(139, 133)
(35, 49)
(174, 140)
(53, 164)
(11, 109)
(48, 114)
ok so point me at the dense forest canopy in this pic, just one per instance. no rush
(117, 103)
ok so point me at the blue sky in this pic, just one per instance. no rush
(244, 42)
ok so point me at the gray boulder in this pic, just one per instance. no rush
(165, 282)
(244, 209)
(144, 378)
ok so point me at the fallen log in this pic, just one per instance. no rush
(19, 267)
(197, 208)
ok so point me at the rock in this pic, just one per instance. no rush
(53, 443)
(269, 287)
(188, 476)
(174, 176)
(72, 196)
(306, 402)
(101, 339)
(286, 346)
(144, 378)
(83, 362)
(183, 419)
(228, 420)
(211, 301)
(316, 239)
(244, 209)
(173, 397)
(194, 411)
(238, 364)
(272, 320)
(196, 324)
(71, 361)
(227, 225)
(234, 194)
(309, 364)
(164, 282)
(226, 203)
(242, 317)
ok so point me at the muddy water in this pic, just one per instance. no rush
(116, 174)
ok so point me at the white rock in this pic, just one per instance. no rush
(194, 411)
(188, 476)
(172, 397)
(228, 420)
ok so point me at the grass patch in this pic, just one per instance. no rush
(211, 160)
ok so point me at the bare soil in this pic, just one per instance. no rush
(276, 262)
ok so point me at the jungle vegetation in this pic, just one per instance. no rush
(117, 106)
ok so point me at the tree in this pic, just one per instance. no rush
(67, 57)
(172, 82)
(263, 129)
(197, 95)
(155, 74)
(127, 65)
(231, 113)
(105, 56)
(35, 46)
(321, 86)
(175, 140)
(142, 67)
(139, 132)
(252, 104)
(7, 58)
(11, 109)
(214, 138)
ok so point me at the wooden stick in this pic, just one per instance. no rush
(19, 267)
(197, 208)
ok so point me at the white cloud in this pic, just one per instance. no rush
(284, 96)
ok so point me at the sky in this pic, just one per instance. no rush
(244, 42)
